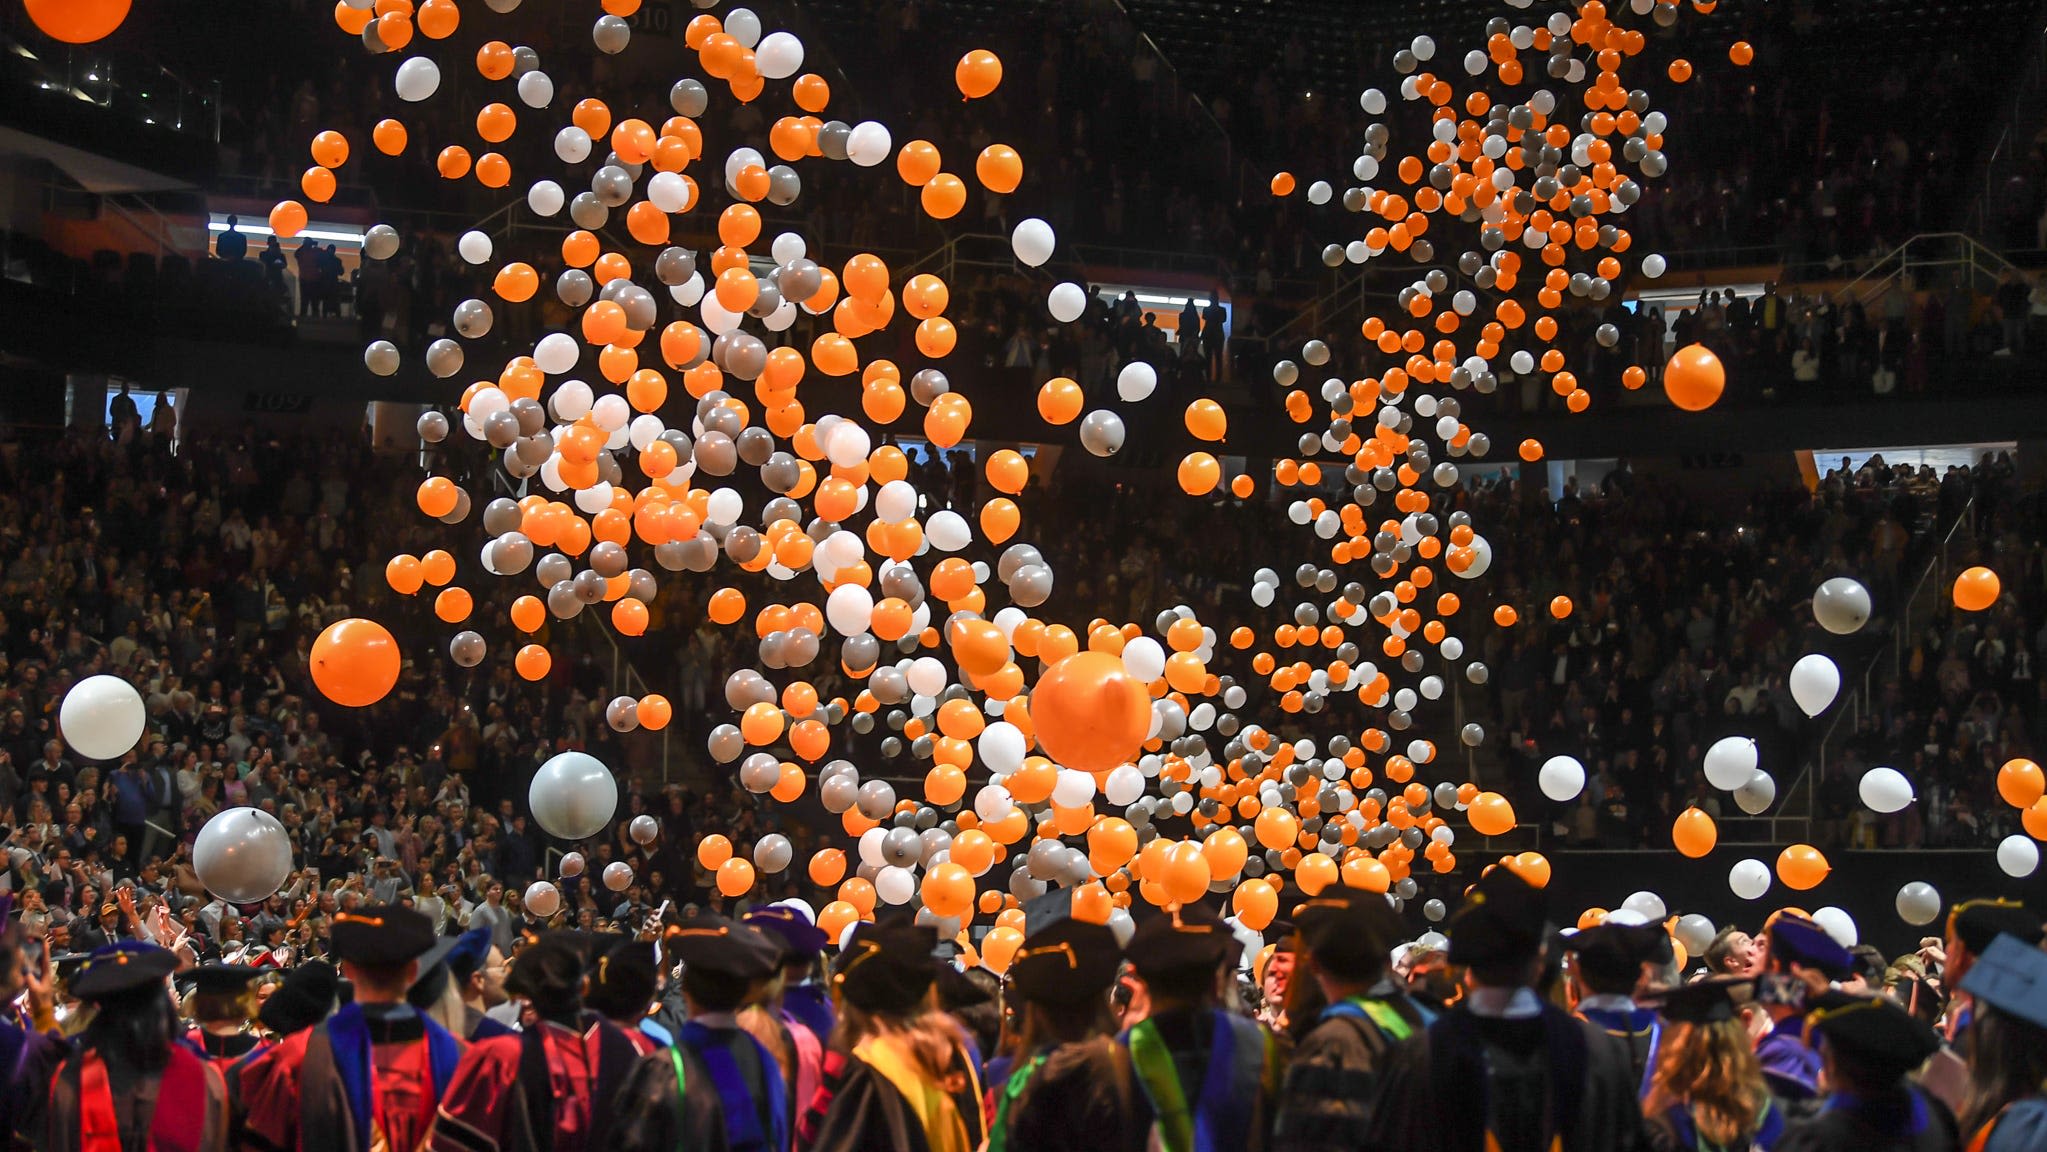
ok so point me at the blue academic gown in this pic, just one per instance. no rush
(1790, 1067)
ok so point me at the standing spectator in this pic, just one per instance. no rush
(232, 246)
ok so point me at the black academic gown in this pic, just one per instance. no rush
(1907, 1120)
(1326, 1102)
(1530, 1082)
(1084, 1096)
(655, 1114)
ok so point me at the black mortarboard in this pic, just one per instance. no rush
(303, 1000)
(1190, 936)
(887, 968)
(1707, 1001)
(623, 977)
(1347, 925)
(1501, 920)
(1799, 941)
(550, 968)
(2011, 976)
(1977, 922)
(1611, 954)
(1066, 962)
(452, 958)
(121, 967)
(381, 935)
(1280, 933)
(1872, 1032)
(799, 936)
(223, 979)
(711, 943)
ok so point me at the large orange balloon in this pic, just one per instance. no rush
(1491, 814)
(828, 867)
(999, 947)
(834, 918)
(1694, 833)
(1090, 713)
(978, 73)
(1694, 378)
(1976, 589)
(1801, 867)
(84, 21)
(355, 662)
(2021, 783)
(735, 877)
(1184, 872)
(1256, 903)
(948, 890)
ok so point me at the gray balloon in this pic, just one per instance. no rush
(574, 287)
(784, 185)
(689, 98)
(432, 427)
(838, 793)
(1013, 558)
(588, 212)
(675, 266)
(532, 417)
(524, 60)
(1032, 586)
(877, 799)
(473, 318)
(562, 601)
(765, 301)
(380, 242)
(501, 429)
(553, 569)
(501, 515)
(611, 34)
(901, 847)
(718, 418)
(725, 743)
(640, 585)
(831, 139)
(772, 853)
(467, 649)
(511, 552)
(589, 587)
(607, 559)
(745, 357)
(860, 652)
(889, 686)
(759, 772)
(534, 450)
(716, 455)
(612, 186)
(781, 472)
(623, 714)
(927, 385)
(1101, 432)
(754, 446)
(444, 358)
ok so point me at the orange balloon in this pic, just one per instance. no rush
(1560, 607)
(1184, 872)
(713, 851)
(453, 162)
(943, 196)
(403, 574)
(827, 867)
(1694, 833)
(999, 168)
(1090, 713)
(533, 662)
(999, 947)
(517, 282)
(918, 162)
(978, 73)
(1206, 420)
(2021, 783)
(1741, 52)
(288, 218)
(1976, 588)
(389, 136)
(948, 890)
(735, 877)
(1532, 867)
(496, 122)
(2034, 819)
(355, 662)
(438, 19)
(1199, 473)
(1491, 814)
(1276, 828)
(1694, 378)
(1256, 903)
(1802, 867)
(77, 21)
(1060, 400)
(453, 605)
(655, 712)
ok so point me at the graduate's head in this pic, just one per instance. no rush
(1610, 956)
(622, 980)
(723, 961)
(1181, 955)
(1973, 924)
(1497, 933)
(132, 1008)
(1867, 1044)
(223, 994)
(1345, 936)
(379, 946)
(548, 974)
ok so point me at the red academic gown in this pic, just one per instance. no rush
(302, 1095)
(102, 1103)
(551, 1087)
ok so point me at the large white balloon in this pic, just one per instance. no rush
(2018, 855)
(242, 855)
(1841, 606)
(474, 246)
(868, 145)
(1562, 778)
(102, 717)
(1002, 748)
(778, 56)
(1815, 681)
(543, 899)
(1730, 761)
(573, 796)
(618, 876)
(1885, 790)
(1033, 242)
(1067, 301)
(644, 830)
(1136, 381)
(1125, 785)
(1648, 904)
(1749, 879)
(1145, 659)
(895, 885)
(1839, 925)
(1918, 903)
(545, 197)
(848, 609)
(418, 78)
(1694, 932)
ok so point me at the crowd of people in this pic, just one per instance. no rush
(1089, 1027)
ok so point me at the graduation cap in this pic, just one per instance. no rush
(1707, 1001)
(223, 979)
(623, 977)
(381, 935)
(122, 967)
(2011, 976)
(303, 1000)
(452, 958)
(548, 969)
(711, 943)
(1501, 920)
(1978, 922)
(1190, 936)
(1796, 940)
(1873, 1033)
(1043, 911)
(1346, 926)
(1613, 954)
(799, 936)
(887, 968)
(1066, 962)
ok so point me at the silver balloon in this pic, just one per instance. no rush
(242, 855)
(473, 318)
(1101, 432)
(622, 714)
(432, 427)
(772, 853)
(380, 242)
(644, 830)
(467, 649)
(444, 358)
(543, 899)
(618, 876)
(573, 796)
(381, 357)
(611, 34)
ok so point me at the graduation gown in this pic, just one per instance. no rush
(1675, 1131)
(26, 1059)
(228, 1049)
(1210, 1077)
(2021, 1127)
(1904, 1120)
(811, 1006)
(1639, 1028)
(550, 1087)
(100, 1098)
(1535, 1084)
(875, 1100)
(1080, 1096)
(369, 1075)
(1327, 1097)
(668, 1102)
(1790, 1067)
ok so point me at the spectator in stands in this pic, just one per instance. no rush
(231, 245)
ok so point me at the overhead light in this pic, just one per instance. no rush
(335, 234)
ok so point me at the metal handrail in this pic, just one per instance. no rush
(1972, 254)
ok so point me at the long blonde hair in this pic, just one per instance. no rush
(1713, 1069)
(934, 1042)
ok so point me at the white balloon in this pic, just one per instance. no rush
(1815, 681)
(1885, 790)
(573, 796)
(1653, 265)
(644, 830)
(644, 430)
(1067, 301)
(1648, 905)
(418, 78)
(895, 885)
(1694, 932)
(572, 145)
(543, 899)
(948, 531)
(102, 718)
(1002, 747)
(1730, 761)
(927, 676)
(571, 401)
(849, 609)
(1757, 793)
(896, 502)
(1841, 606)
(545, 197)
(778, 56)
(1124, 786)
(2018, 855)
(572, 864)
(474, 246)
(1144, 658)
(1839, 925)
(242, 855)
(1918, 903)
(536, 89)
(716, 318)
(1137, 381)
(848, 444)
(690, 291)
(594, 499)
(993, 802)
(1122, 925)
(869, 144)
(1033, 242)
(557, 353)
(1562, 778)
(669, 192)
(788, 246)
(724, 506)
(1749, 879)
(743, 25)
(1072, 788)
(618, 876)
